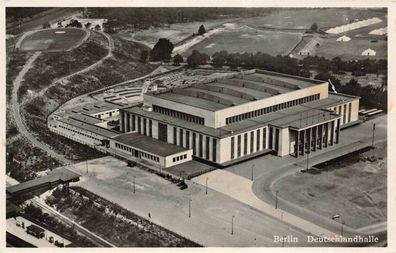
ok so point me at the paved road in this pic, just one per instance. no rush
(15, 109)
(15, 106)
(64, 79)
(100, 242)
(263, 184)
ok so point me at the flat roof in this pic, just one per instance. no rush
(90, 108)
(242, 88)
(89, 127)
(87, 118)
(149, 144)
(300, 116)
(60, 174)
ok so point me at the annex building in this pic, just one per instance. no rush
(220, 121)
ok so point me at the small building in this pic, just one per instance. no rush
(344, 38)
(369, 52)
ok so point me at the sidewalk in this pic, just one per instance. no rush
(240, 189)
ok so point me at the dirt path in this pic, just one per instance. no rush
(62, 80)
(15, 105)
(15, 109)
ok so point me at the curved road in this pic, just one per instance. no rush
(15, 106)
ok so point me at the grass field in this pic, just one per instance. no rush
(52, 40)
(305, 17)
(353, 187)
(331, 48)
(234, 38)
(175, 32)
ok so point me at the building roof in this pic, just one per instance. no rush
(149, 144)
(297, 117)
(240, 89)
(333, 99)
(87, 119)
(58, 175)
(89, 108)
(89, 127)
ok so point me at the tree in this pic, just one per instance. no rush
(88, 25)
(177, 59)
(196, 58)
(143, 56)
(97, 27)
(162, 50)
(314, 27)
(46, 25)
(219, 58)
(201, 30)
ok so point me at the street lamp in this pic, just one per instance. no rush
(337, 216)
(372, 141)
(276, 199)
(232, 224)
(252, 171)
(134, 186)
(189, 208)
(206, 187)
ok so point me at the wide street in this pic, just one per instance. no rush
(212, 214)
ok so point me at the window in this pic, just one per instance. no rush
(245, 138)
(133, 123)
(175, 135)
(251, 141)
(239, 145)
(194, 141)
(264, 138)
(200, 143)
(187, 139)
(258, 140)
(214, 149)
(181, 137)
(344, 114)
(207, 145)
(232, 148)
(150, 128)
(349, 112)
(144, 126)
(139, 125)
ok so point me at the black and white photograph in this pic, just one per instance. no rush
(197, 126)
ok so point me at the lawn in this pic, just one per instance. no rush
(305, 17)
(175, 32)
(240, 38)
(353, 187)
(331, 48)
(53, 39)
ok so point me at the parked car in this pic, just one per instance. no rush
(51, 239)
(35, 231)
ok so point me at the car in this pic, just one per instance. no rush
(51, 239)
(181, 183)
(183, 187)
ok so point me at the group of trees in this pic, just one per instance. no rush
(196, 58)
(143, 17)
(162, 51)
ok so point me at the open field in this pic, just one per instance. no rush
(305, 17)
(234, 37)
(53, 39)
(39, 19)
(353, 49)
(353, 187)
(175, 32)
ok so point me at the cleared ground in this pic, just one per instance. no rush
(53, 39)
(175, 32)
(353, 187)
(234, 37)
(211, 214)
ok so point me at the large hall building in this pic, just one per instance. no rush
(230, 119)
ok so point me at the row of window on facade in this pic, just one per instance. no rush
(196, 151)
(316, 137)
(180, 115)
(137, 153)
(261, 142)
(78, 132)
(137, 125)
(342, 110)
(179, 158)
(104, 113)
(273, 108)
